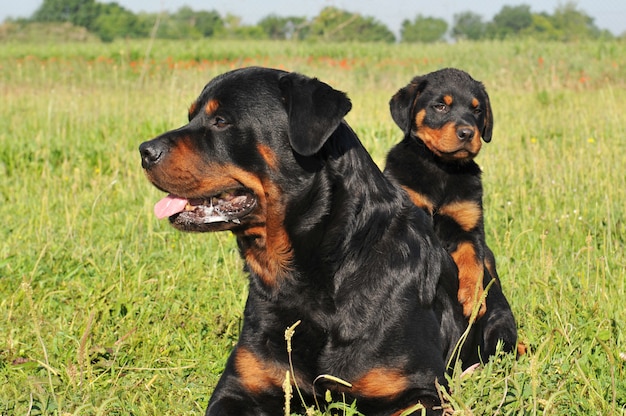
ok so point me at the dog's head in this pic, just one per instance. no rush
(447, 110)
(230, 167)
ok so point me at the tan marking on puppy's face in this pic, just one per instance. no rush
(443, 141)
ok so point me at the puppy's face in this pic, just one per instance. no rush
(448, 111)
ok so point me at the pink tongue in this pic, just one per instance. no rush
(169, 206)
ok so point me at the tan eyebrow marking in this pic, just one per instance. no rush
(211, 106)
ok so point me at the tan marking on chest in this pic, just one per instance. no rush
(465, 213)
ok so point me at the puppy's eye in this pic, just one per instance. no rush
(478, 111)
(441, 108)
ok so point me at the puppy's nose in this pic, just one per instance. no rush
(151, 153)
(465, 133)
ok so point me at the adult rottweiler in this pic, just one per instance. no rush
(443, 115)
(327, 240)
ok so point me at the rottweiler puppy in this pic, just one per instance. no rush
(327, 240)
(443, 116)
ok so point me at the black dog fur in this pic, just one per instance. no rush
(326, 239)
(443, 115)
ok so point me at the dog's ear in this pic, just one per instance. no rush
(315, 110)
(401, 104)
(487, 117)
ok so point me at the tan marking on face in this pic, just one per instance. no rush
(268, 155)
(268, 249)
(471, 271)
(444, 142)
(173, 171)
(211, 106)
(475, 102)
(381, 383)
(420, 200)
(465, 213)
(448, 100)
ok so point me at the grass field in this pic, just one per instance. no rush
(104, 310)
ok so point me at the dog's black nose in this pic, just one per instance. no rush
(151, 153)
(465, 133)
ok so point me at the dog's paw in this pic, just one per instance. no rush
(471, 298)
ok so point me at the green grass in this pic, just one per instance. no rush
(106, 310)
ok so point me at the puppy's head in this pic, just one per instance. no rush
(236, 164)
(448, 111)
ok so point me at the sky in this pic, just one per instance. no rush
(607, 14)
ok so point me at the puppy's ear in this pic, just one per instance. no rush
(315, 110)
(487, 117)
(402, 103)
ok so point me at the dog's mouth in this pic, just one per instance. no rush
(202, 214)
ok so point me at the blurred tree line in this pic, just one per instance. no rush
(110, 21)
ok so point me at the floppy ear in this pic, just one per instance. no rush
(315, 110)
(488, 118)
(401, 104)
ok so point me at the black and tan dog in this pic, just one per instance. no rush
(443, 115)
(327, 240)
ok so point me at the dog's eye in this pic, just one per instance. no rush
(219, 122)
(442, 108)
(477, 111)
